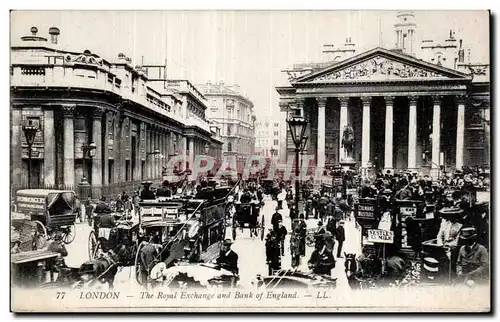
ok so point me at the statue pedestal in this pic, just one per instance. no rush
(347, 163)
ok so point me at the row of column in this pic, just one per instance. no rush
(149, 139)
(389, 120)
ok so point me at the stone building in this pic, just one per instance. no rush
(234, 113)
(402, 103)
(77, 99)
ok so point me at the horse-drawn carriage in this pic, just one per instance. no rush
(182, 230)
(248, 216)
(50, 211)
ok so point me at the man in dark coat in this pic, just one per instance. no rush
(340, 236)
(281, 233)
(56, 246)
(276, 217)
(321, 261)
(228, 259)
(273, 258)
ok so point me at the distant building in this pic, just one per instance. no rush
(234, 113)
(268, 138)
(402, 103)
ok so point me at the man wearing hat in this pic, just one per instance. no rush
(321, 260)
(276, 217)
(15, 242)
(340, 236)
(273, 258)
(450, 227)
(472, 262)
(56, 246)
(228, 259)
(281, 233)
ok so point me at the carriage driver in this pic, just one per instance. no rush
(228, 259)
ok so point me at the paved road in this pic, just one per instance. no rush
(251, 251)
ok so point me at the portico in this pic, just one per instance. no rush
(398, 106)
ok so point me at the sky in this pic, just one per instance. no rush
(248, 48)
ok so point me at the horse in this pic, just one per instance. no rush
(371, 269)
(102, 269)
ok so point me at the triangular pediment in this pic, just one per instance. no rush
(380, 65)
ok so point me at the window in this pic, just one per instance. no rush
(276, 124)
(276, 133)
(275, 142)
(229, 147)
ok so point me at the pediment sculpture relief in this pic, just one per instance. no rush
(378, 68)
(294, 74)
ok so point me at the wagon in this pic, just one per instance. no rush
(247, 217)
(123, 240)
(50, 211)
(186, 230)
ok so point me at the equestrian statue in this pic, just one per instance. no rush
(348, 142)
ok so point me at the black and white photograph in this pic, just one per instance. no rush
(250, 161)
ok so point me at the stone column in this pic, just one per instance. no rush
(436, 135)
(365, 144)
(459, 162)
(69, 145)
(118, 147)
(97, 139)
(155, 156)
(16, 146)
(389, 101)
(138, 151)
(343, 123)
(191, 152)
(412, 134)
(320, 156)
(149, 155)
(105, 148)
(49, 149)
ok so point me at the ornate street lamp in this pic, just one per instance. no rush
(88, 153)
(30, 133)
(297, 125)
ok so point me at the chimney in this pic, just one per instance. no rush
(54, 34)
(461, 53)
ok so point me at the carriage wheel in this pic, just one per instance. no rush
(262, 228)
(69, 234)
(94, 245)
(40, 228)
(141, 280)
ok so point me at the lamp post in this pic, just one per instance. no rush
(30, 133)
(297, 125)
(88, 152)
(302, 150)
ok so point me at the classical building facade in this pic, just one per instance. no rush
(400, 107)
(234, 113)
(137, 124)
